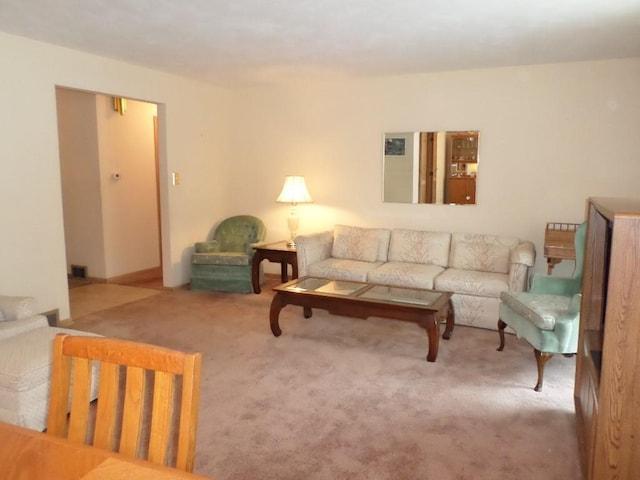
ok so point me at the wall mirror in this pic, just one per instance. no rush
(430, 167)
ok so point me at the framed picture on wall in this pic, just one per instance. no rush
(394, 146)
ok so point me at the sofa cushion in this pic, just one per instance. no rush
(362, 244)
(25, 372)
(341, 269)
(26, 359)
(405, 274)
(486, 253)
(472, 282)
(417, 246)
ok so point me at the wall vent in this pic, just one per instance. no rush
(79, 271)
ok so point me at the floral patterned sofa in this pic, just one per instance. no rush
(476, 267)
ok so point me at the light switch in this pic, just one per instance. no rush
(175, 178)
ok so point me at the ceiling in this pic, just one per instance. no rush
(239, 42)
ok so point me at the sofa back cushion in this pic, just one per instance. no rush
(484, 253)
(415, 246)
(363, 244)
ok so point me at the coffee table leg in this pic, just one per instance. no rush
(433, 336)
(306, 311)
(448, 331)
(274, 314)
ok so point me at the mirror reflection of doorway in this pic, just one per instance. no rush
(439, 167)
(428, 167)
(110, 187)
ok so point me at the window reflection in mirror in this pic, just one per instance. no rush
(431, 167)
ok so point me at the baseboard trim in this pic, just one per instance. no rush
(139, 276)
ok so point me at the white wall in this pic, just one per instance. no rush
(551, 136)
(129, 203)
(194, 132)
(80, 179)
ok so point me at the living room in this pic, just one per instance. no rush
(552, 134)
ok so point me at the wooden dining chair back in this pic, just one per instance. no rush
(147, 398)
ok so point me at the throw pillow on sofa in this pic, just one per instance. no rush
(362, 244)
(482, 257)
(414, 246)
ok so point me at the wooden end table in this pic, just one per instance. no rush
(277, 252)
(559, 243)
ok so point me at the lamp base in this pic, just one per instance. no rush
(292, 221)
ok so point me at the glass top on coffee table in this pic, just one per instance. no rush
(363, 291)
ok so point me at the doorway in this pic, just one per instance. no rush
(110, 187)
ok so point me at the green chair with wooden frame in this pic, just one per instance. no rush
(548, 315)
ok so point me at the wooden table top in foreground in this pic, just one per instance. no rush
(29, 455)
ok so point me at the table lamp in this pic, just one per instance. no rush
(294, 191)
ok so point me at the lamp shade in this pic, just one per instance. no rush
(294, 191)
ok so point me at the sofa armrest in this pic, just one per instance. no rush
(14, 307)
(522, 259)
(21, 325)
(524, 253)
(313, 248)
(210, 246)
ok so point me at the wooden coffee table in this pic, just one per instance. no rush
(427, 308)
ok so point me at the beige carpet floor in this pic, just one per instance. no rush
(95, 297)
(340, 398)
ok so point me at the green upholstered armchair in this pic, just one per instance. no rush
(224, 263)
(548, 315)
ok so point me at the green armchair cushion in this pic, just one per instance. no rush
(239, 234)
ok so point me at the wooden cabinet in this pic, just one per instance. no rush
(607, 382)
(462, 190)
(462, 166)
